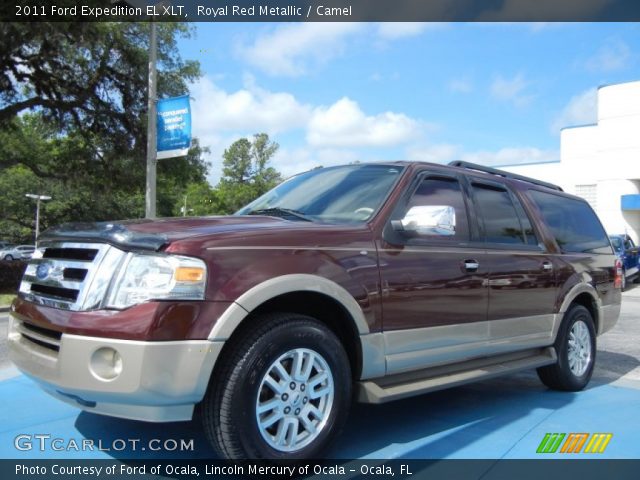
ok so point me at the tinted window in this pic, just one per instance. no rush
(572, 222)
(501, 221)
(444, 191)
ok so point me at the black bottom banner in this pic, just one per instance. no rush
(542, 469)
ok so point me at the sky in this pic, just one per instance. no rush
(333, 93)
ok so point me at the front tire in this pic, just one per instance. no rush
(576, 350)
(282, 391)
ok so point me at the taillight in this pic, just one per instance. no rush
(617, 280)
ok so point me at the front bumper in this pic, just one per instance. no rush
(153, 381)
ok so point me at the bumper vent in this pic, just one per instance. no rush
(70, 276)
(43, 337)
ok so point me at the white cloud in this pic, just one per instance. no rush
(397, 30)
(511, 156)
(511, 90)
(437, 153)
(344, 124)
(292, 49)
(332, 132)
(250, 108)
(460, 85)
(444, 153)
(296, 160)
(614, 55)
(582, 109)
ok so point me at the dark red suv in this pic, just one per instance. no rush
(377, 281)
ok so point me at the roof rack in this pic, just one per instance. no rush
(503, 173)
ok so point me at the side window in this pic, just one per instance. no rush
(503, 223)
(572, 222)
(628, 244)
(445, 192)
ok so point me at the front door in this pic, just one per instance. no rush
(433, 284)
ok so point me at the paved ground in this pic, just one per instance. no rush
(502, 418)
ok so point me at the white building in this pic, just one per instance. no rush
(601, 162)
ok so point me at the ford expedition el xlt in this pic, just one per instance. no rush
(374, 281)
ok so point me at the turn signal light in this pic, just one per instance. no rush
(189, 274)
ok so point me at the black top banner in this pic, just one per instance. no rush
(322, 10)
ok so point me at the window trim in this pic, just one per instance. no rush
(481, 182)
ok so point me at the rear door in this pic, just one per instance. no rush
(522, 286)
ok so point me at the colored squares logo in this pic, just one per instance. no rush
(574, 443)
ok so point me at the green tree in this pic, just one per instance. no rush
(73, 114)
(246, 173)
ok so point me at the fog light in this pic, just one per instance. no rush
(106, 363)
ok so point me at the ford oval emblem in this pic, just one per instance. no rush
(42, 271)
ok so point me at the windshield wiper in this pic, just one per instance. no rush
(280, 212)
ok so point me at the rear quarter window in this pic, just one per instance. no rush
(572, 222)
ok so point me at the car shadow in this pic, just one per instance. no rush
(437, 425)
(450, 423)
(612, 366)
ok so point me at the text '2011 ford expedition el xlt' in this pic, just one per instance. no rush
(375, 280)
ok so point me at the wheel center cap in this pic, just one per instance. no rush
(296, 399)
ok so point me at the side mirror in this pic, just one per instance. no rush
(433, 220)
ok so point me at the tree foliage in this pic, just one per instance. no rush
(73, 121)
(246, 173)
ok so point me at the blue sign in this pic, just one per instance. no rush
(174, 127)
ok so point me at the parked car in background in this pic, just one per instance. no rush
(11, 252)
(26, 251)
(627, 251)
(4, 244)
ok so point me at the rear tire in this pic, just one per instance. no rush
(576, 350)
(282, 391)
(8, 258)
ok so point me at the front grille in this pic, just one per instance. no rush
(68, 294)
(81, 254)
(70, 275)
(49, 339)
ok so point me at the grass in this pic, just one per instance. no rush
(6, 298)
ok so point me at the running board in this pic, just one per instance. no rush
(395, 387)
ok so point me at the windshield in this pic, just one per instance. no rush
(617, 242)
(335, 194)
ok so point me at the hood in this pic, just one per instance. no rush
(155, 234)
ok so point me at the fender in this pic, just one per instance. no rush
(568, 300)
(372, 344)
(256, 296)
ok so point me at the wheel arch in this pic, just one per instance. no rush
(308, 295)
(586, 295)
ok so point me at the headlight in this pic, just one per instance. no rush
(157, 277)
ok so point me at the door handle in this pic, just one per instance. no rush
(471, 265)
(547, 266)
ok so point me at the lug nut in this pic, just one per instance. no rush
(285, 397)
(287, 410)
(302, 387)
(305, 400)
(292, 386)
(297, 412)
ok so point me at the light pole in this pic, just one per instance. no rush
(150, 188)
(38, 199)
